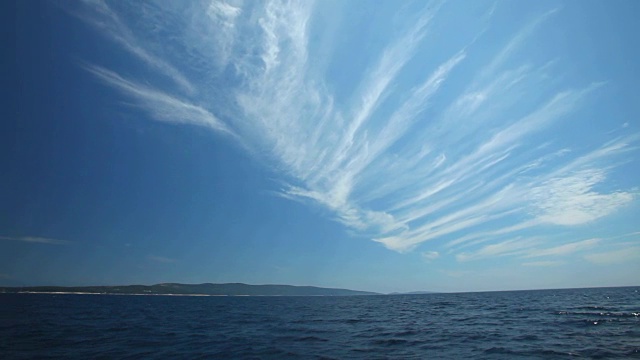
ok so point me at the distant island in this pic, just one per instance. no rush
(207, 289)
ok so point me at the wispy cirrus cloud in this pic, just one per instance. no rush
(571, 200)
(543, 263)
(615, 256)
(36, 240)
(161, 259)
(160, 105)
(100, 15)
(516, 246)
(565, 249)
(430, 255)
(528, 248)
(449, 149)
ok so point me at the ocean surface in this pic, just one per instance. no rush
(552, 324)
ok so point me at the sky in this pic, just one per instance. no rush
(383, 146)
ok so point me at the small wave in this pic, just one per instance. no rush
(611, 314)
(499, 350)
(389, 342)
(527, 337)
(309, 339)
(550, 352)
(593, 307)
(407, 333)
(376, 327)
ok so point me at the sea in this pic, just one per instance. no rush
(599, 323)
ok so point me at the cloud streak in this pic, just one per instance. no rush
(412, 154)
(160, 105)
(161, 259)
(546, 263)
(36, 240)
(615, 256)
(101, 16)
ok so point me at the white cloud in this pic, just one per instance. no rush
(565, 249)
(430, 255)
(456, 273)
(565, 195)
(376, 82)
(161, 259)
(36, 240)
(161, 106)
(100, 15)
(544, 263)
(526, 248)
(511, 247)
(571, 200)
(221, 28)
(615, 256)
(515, 43)
(406, 156)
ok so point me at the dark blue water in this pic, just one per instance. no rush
(588, 323)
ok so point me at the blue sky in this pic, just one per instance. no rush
(387, 146)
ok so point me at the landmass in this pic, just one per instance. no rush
(207, 289)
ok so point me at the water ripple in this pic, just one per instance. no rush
(590, 323)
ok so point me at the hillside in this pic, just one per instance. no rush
(231, 289)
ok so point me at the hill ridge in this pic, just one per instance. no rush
(229, 289)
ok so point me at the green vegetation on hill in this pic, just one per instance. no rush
(232, 289)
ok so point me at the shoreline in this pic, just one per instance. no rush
(133, 294)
